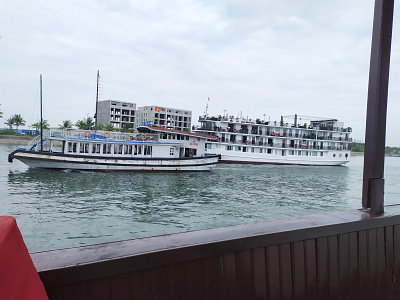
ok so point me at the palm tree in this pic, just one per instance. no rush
(85, 124)
(109, 127)
(10, 122)
(18, 120)
(37, 125)
(66, 125)
(126, 127)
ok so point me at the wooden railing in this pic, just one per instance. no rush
(333, 256)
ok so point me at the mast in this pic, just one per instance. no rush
(41, 116)
(97, 101)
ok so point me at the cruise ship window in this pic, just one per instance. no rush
(171, 151)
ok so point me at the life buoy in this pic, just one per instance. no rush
(273, 132)
(247, 142)
(307, 146)
(142, 137)
(234, 130)
(88, 133)
(106, 135)
(341, 148)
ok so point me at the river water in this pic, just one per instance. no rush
(59, 209)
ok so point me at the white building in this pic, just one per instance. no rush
(117, 113)
(166, 117)
(120, 113)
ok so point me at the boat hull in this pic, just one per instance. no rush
(48, 160)
(340, 159)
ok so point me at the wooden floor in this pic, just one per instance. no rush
(344, 255)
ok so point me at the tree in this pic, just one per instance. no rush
(126, 127)
(67, 124)
(37, 126)
(85, 124)
(18, 120)
(109, 127)
(10, 122)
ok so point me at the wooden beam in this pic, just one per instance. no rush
(374, 153)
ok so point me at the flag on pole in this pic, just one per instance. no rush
(208, 98)
(158, 109)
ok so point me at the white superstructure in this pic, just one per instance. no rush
(240, 140)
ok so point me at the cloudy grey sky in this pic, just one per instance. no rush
(271, 57)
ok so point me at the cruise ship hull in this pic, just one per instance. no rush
(331, 158)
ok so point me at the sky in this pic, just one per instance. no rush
(258, 59)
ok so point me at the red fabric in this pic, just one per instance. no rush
(18, 276)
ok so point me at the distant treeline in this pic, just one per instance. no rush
(359, 147)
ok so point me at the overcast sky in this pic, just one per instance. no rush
(271, 57)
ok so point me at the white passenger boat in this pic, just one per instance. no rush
(155, 149)
(239, 140)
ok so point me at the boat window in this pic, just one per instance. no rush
(127, 149)
(322, 153)
(171, 151)
(117, 149)
(107, 149)
(96, 148)
(139, 149)
(238, 148)
(252, 149)
(244, 149)
(72, 147)
(81, 148)
(334, 155)
(147, 150)
(86, 147)
(269, 151)
(298, 152)
(229, 148)
(187, 137)
(261, 150)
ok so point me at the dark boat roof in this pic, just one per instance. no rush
(161, 129)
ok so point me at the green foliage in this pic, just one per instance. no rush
(18, 120)
(109, 127)
(356, 147)
(7, 132)
(126, 127)
(85, 124)
(392, 150)
(67, 124)
(10, 122)
(37, 126)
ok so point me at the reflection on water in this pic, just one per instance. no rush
(57, 209)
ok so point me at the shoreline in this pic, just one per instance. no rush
(15, 140)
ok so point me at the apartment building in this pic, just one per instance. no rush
(120, 113)
(117, 113)
(171, 118)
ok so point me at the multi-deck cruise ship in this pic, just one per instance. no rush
(241, 140)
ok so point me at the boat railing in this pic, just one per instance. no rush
(32, 146)
(103, 135)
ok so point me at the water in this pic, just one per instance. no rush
(59, 209)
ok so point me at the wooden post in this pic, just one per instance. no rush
(374, 153)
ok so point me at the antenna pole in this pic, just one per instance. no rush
(97, 101)
(41, 116)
